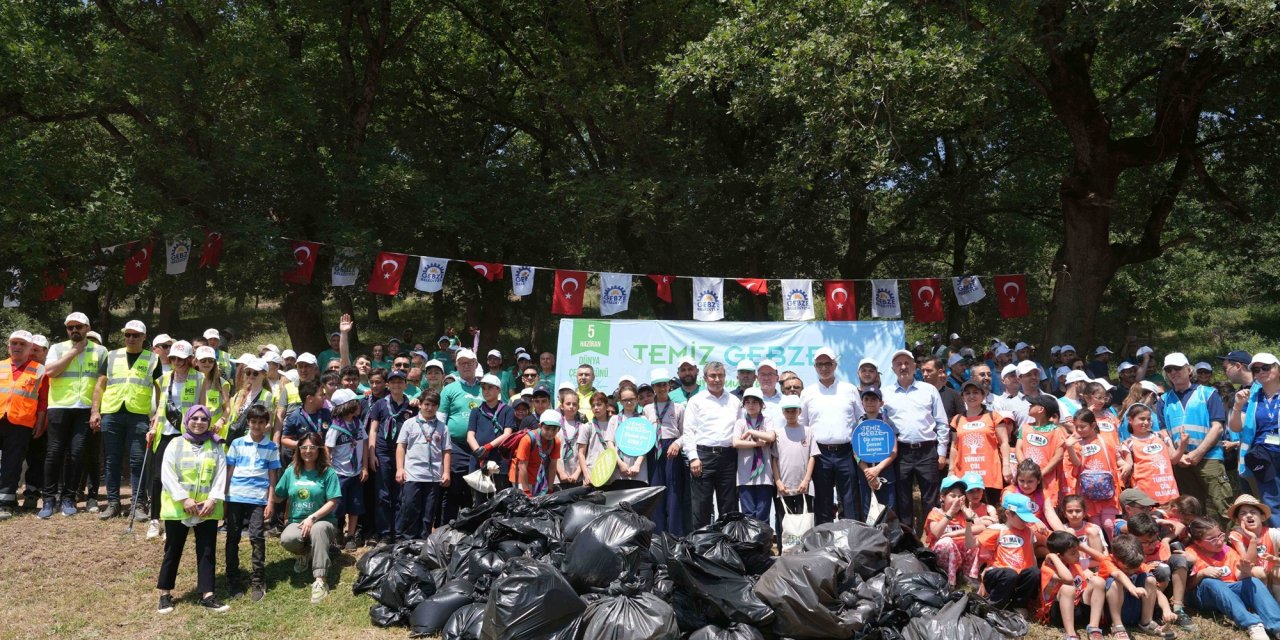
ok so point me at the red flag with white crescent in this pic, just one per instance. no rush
(55, 284)
(138, 263)
(211, 255)
(304, 262)
(664, 285)
(385, 278)
(570, 287)
(758, 286)
(1011, 291)
(491, 271)
(840, 300)
(926, 301)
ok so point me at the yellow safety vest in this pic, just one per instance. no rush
(196, 471)
(190, 391)
(73, 388)
(217, 398)
(128, 387)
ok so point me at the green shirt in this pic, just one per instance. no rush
(548, 379)
(508, 383)
(412, 390)
(445, 360)
(308, 492)
(679, 396)
(457, 400)
(327, 356)
(380, 364)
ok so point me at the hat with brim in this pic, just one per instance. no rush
(1020, 505)
(1247, 500)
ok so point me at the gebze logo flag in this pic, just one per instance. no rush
(344, 271)
(179, 253)
(797, 299)
(968, 290)
(708, 299)
(615, 293)
(430, 274)
(884, 299)
(521, 280)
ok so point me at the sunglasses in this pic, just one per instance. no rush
(252, 373)
(132, 336)
(1172, 369)
(402, 365)
(310, 447)
(75, 327)
(1259, 368)
(528, 375)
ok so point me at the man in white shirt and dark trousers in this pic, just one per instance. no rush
(830, 409)
(709, 420)
(923, 436)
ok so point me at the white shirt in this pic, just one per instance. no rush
(918, 414)
(672, 423)
(709, 421)
(773, 407)
(830, 411)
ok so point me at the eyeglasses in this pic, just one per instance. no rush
(628, 400)
(133, 336)
(198, 419)
(165, 345)
(206, 360)
(1217, 538)
(310, 447)
(1259, 368)
(75, 327)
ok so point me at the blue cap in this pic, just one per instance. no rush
(398, 373)
(973, 480)
(421, 354)
(951, 481)
(1242, 357)
(1021, 505)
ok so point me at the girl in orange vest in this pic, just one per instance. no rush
(1041, 442)
(1097, 400)
(1152, 456)
(980, 443)
(1098, 471)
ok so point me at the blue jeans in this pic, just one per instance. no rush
(833, 471)
(417, 506)
(1262, 460)
(671, 473)
(124, 432)
(1247, 602)
(887, 494)
(388, 488)
(755, 500)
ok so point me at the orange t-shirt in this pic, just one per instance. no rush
(530, 453)
(1265, 545)
(977, 447)
(1050, 584)
(1099, 456)
(1162, 553)
(1040, 448)
(1001, 547)
(955, 525)
(1153, 468)
(1222, 565)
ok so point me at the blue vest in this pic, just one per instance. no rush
(1249, 427)
(1194, 419)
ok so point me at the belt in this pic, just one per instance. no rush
(933, 444)
(716, 450)
(835, 448)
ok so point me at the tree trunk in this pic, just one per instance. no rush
(1086, 262)
(493, 297)
(437, 329)
(959, 264)
(302, 308)
(170, 302)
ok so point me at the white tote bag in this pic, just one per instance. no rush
(794, 526)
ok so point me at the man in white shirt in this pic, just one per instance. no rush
(767, 377)
(923, 435)
(709, 420)
(830, 408)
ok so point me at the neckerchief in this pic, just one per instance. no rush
(540, 482)
(757, 457)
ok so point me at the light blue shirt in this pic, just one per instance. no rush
(918, 414)
(253, 463)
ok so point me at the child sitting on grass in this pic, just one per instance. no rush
(1070, 594)
(1222, 581)
(944, 532)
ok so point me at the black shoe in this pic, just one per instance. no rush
(353, 543)
(29, 503)
(213, 604)
(112, 510)
(166, 604)
(235, 586)
(257, 591)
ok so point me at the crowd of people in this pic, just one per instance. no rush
(1072, 489)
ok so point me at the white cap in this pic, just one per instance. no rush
(825, 351)
(687, 360)
(40, 341)
(955, 336)
(1149, 386)
(631, 379)
(746, 365)
(76, 316)
(332, 334)
(273, 348)
(1020, 346)
(565, 386)
(135, 325)
(433, 363)
(1144, 351)
(268, 357)
(95, 335)
(662, 375)
(161, 339)
(550, 416)
(1062, 372)
(753, 393)
(1066, 347)
(1002, 350)
(491, 379)
(902, 352)
(288, 353)
(494, 353)
(1176, 359)
(527, 391)
(1264, 358)
(256, 364)
(1102, 348)
(1009, 369)
(762, 364)
(1077, 375)
(207, 352)
(1125, 366)
(1055, 349)
(868, 361)
(341, 397)
(968, 352)
(1203, 366)
(954, 360)
(480, 370)
(520, 350)
(21, 334)
(1027, 366)
(291, 375)
(307, 358)
(181, 350)
(210, 334)
(525, 355)
(245, 358)
(466, 354)
(790, 402)
(1105, 384)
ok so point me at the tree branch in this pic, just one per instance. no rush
(113, 19)
(1219, 194)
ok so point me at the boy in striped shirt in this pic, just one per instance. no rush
(253, 464)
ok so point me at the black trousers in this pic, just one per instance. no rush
(13, 450)
(206, 554)
(918, 464)
(719, 479)
(239, 518)
(91, 472)
(1008, 588)
(458, 495)
(834, 471)
(157, 459)
(417, 504)
(68, 433)
(33, 479)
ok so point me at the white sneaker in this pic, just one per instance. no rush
(153, 530)
(302, 564)
(319, 590)
(1256, 632)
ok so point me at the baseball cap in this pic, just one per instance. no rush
(465, 354)
(1009, 369)
(255, 364)
(951, 481)
(519, 350)
(550, 416)
(523, 355)
(135, 325)
(971, 383)
(421, 354)
(397, 374)
(291, 375)
(1077, 375)
(659, 375)
(871, 391)
(1106, 385)
(520, 400)
(212, 334)
(1066, 347)
(1020, 505)
(526, 392)
(1062, 372)
(954, 360)
(968, 353)
(454, 347)
(333, 334)
(288, 353)
(686, 360)
(1142, 351)
(341, 397)
(825, 351)
(955, 336)
(902, 352)
(268, 357)
(565, 386)
(491, 380)
(161, 339)
(1003, 350)
(273, 348)
(746, 365)
(1149, 386)
(542, 390)
(440, 339)
(94, 335)
(1176, 359)
(181, 350)
(1026, 366)
(76, 316)
(753, 393)
(790, 402)
(433, 363)
(1239, 356)
(868, 361)
(627, 378)
(766, 363)
(1203, 366)
(1055, 349)
(1264, 358)
(307, 358)
(245, 358)
(973, 480)
(40, 341)
(1136, 497)
(1124, 366)
(1020, 346)
(1101, 350)
(493, 353)
(208, 352)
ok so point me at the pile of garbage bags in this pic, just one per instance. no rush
(584, 564)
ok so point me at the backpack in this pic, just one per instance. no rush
(1097, 485)
(507, 448)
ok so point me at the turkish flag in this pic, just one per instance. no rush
(840, 300)
(385, 278)
(1011, 291)
(925, 300)
(304, 262)
(490, 270)
(55, 284)
(664, 286)
(758, 286)
(567, 299)
(211, 256)
(138, 263)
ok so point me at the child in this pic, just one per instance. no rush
(976, 499)
(1075, 509)
(312, 417)
(345, 442)
(668, 469)
(1132, 592)
(1222, 580)
(537, 459)
(980, 444)
(753, 438)
(568, 473)
(1097, 400)
(1132, 502)
(1251, 518)
(1168, 569)
(1008, 551)
(944, 529)
(876, 477)
(1152, 456)
(423, 459)
(632, 471)
(793, 461)
(594, 438)
(1041, 443)
(253, 465)
(1077, 592)
(1097, 470)
(1028, 482)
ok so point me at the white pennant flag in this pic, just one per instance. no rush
(344, 271)
(94, 279)
(179, 253)
(884, 299)
(797, 300)
(615, 293)
(430, 274)
(708, 299)
(14, 292)
(521, 280)
(968, 290)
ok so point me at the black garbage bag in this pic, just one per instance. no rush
(732, 632)
(487, 563)
(907, 563)
(465, 623)
(1007, 623)
(803, 591)
(439, 546)
(430, 616)
(950, 623)
(751, 538)
(530, 600)
(578, 515)
(640, 617)
(507, 502)
(901, 538)
(692, 612)
(716, 547)
(863, 547)
(385, 617)
(860, 616)
(917, 594)
(615, 545)
(544, 526)
(564, 497)
(371, 567)
(406, 583)
(728, 593)
(643, 500)
(873, 590)
(509, 549)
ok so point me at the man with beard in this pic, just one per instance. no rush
(687, 372)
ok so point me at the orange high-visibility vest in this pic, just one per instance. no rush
(20, 392)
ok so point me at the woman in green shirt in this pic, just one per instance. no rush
(312, 490)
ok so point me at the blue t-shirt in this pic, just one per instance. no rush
(1266, 417)
(487, 424)
(390, 415)
(253, 463)
(300, 423)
